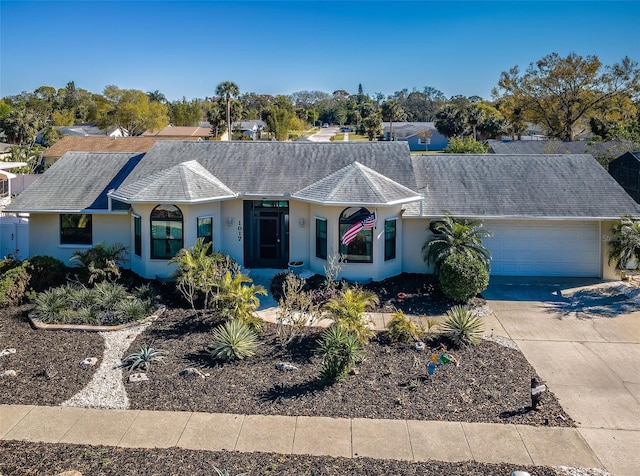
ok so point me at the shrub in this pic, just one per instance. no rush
(46, 272)
(129, 310)
(401, 328)
(7, 264)
(100, 262)
(340, 351)
(14, 284)
(462, 277)
(233, 340)
(296, 311)
(144, 358)
(348, 308)
(461, 326)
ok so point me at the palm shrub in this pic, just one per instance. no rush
(456, 236)
(461, 326)
(233, 340)
(401, 328)
(340, 351)
(624, 244)
(99, 263)
(237, 297)
(143, 359)
(347, 310)
(462, 277)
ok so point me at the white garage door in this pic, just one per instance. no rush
(544, 248)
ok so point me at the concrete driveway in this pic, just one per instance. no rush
(324, 134)
(582, 336)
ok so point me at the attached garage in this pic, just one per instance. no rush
(544, 248)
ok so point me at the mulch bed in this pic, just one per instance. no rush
(491, 384)
(47, 363)
(22, 458)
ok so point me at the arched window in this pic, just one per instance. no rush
(356, 234)
(166, 231)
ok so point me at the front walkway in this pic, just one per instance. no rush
(386, 439)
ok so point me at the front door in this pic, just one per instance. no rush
(267, 234)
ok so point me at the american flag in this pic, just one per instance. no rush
(353, 230)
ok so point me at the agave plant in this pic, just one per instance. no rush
(461, 326)
(144, 358)
(233, 340)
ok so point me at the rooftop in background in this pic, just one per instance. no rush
(99, 144)
(597, 149)
(183, 132)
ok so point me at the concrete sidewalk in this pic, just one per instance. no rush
(384, 439)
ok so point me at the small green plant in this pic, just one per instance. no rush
(110, 294)
(340, 351)
(347, 310)
(463, 277)
(129, 310)
(46, 272)
(461, 326)
(99, 263)
(49, 305)
(233, 340)
(401, 328)
(144, 358)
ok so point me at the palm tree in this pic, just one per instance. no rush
(456, 236)
(228, 89)
(624, 245)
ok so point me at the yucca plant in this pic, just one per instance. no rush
(144, 358)
(340, 351)
(401, 328)
(461, 326)
(233, 340)
(348, 308)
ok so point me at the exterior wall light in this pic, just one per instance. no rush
(229, 221)
(301, 222)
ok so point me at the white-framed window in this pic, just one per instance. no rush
(321, 238)
(205, 228)
(137, 235)
(390, 234)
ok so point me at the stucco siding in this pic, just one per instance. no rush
(416, 232)
(299, 232)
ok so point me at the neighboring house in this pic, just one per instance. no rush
(610, 149)
(626, 171)
(86, 130)
(181, 132)
(419, 135)
(14, 231)
(98, 144)
(269, 203)
(252, 129)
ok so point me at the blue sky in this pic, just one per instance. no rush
(185, 48)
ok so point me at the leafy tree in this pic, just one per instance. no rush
(131, 110)
(392, 111)
(559, 93)
(465, 145)
(624, 245)
(29, 153)
(372, 125)
(279, 117)
(21, 125)
(228, 90)
(456, 236)
(185, 113)
(450, 120)
(70, 98)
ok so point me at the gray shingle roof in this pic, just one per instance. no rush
(545, 186)
(356, 184)
(78, 181)
(547, 147)
(185, 182)
(277, 168)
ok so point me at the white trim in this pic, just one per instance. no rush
(359, 204)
